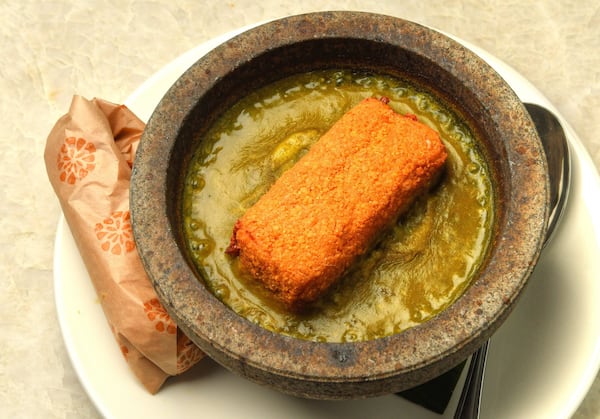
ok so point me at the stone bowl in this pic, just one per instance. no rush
(342, 40)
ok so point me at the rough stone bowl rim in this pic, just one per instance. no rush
(248, 349)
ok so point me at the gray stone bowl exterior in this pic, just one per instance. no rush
(341, 40)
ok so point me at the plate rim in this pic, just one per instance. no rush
(524, 89)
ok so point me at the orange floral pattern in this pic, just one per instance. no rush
(115, 233)
(76, 159)
(124, 350)
(188, 354)
(156, 313)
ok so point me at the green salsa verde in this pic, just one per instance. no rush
(417, 268)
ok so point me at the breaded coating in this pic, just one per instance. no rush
(329, 208)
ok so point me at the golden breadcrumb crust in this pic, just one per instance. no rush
(327, 210)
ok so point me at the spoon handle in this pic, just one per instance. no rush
(470, 399)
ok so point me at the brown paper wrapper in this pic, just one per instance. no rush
(89, 155)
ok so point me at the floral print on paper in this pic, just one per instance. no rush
(76, 159)
(115, 233)
(156, 313)
(124, 350)
(188, 354)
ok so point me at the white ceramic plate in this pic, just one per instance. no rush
(541, 363)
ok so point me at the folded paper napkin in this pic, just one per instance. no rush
(89, 155)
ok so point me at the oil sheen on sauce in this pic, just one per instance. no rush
(417, 268)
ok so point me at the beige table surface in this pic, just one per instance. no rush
(52, 50)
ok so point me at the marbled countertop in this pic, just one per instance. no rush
(52, 50)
